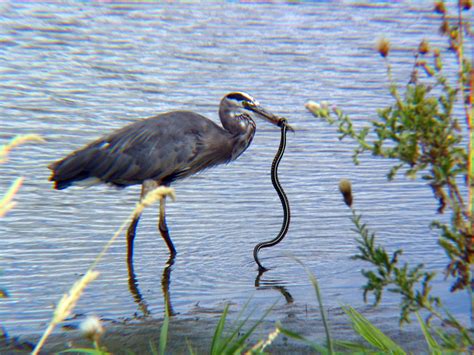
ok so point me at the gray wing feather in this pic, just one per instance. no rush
(163, 148)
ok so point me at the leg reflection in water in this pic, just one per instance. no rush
(165, 286)
(272, 284)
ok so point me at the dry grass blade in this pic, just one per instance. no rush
(66, 305)
(15, 142)
(7, 203)
(69, 300)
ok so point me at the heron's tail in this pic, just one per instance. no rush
(92, 165)
(69, 170)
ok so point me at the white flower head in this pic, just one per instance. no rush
(92, 327)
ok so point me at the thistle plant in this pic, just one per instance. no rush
(428, 131)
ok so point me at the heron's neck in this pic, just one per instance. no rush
(241, 127)
(235, 122)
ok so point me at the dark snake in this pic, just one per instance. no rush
(284, 200)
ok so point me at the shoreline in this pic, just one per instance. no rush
(197, 330)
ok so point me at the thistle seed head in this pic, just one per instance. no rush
(423, 47)
(465, 4)
(383, 47)
(440, 7)
(92, 328)
(345, 187)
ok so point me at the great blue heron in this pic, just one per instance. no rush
(161, 149)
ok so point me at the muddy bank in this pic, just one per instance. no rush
(196, 331)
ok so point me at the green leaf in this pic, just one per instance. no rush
(240, 343)
(153, 349)
(354, 347)
(314, 282)
(319, 348)
(434, 347)
(164, 334)
(216, 339)
(85, 351)
(372, 334)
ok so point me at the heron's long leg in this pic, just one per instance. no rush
(131, 236)
(132, 230)
(165, 285)
(164, 228)
(135, 291)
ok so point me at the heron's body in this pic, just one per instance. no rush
(150, 150)
(161, 149)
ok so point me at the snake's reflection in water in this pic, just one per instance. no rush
(260, 284)
(165, 287)
(272, 284)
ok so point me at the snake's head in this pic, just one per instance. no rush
(282, 121)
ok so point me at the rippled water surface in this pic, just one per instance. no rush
(74, 72)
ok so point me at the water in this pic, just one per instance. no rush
(72, 72)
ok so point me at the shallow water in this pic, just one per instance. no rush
(73, 72)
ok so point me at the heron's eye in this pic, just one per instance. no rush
(238, 97)
(242, 98)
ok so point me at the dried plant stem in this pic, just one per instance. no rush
(112, 240)
(6, 202)
(66, 305)
(45, 336)
(15, 142)
(152, 197)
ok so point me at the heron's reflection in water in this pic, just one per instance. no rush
(165, 286)
(272, 284)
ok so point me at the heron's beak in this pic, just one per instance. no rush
(270, 117)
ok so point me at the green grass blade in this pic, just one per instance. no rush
(371, 333)
(164, 334)
(354, 347)
(216, 339)
(433, 345)
(85, 351)
(315, 284)
(290, 334)
(241, 313)
(463, 330)
(190, 348)
(237, 328)
(237, 325)
(153, 349)
(240, 342)
(449, 341)
(323, 313)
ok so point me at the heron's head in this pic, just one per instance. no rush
(236, 103)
